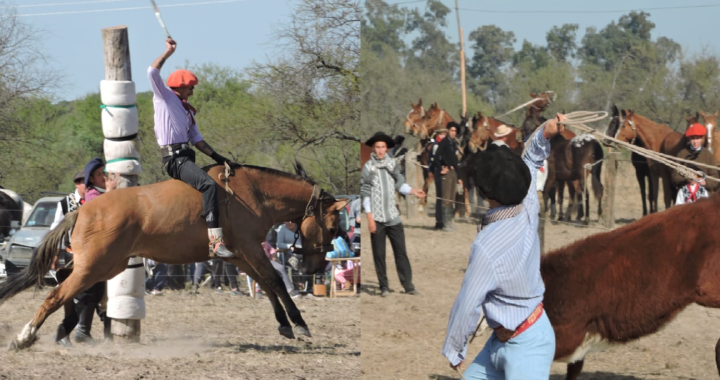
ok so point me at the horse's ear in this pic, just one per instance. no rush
(689, 119)
(420, 102)
(717, 113)
(340, 203)
(299, 170)
(615, 111)
(412, 105)
(435, 105)
(697, 115)
(533, 95)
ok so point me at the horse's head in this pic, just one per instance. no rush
(544, 101)
(481, 134)
(710, 121)
(627, 127)
(692, 119)
(318, 230)
(414, 117)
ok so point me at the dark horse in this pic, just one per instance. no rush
(10, 210)
(163, 222)
(569, 156)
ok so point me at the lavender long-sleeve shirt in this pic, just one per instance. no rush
(173, 123)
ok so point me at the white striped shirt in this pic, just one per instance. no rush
(503, 276)
(173, 123)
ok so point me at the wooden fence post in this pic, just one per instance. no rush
(411, 179)
(608, 201)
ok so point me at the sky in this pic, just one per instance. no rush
(233, 33)
(694, 29)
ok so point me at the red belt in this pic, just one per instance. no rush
(504, 334)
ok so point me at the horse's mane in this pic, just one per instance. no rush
(271, 171)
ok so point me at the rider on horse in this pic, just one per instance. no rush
(176, 131)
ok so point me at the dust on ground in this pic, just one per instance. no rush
(208, 336)
(402, 334)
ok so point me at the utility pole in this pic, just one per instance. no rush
(462, 62)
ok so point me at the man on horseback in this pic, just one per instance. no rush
(503, 277)
(176, 131)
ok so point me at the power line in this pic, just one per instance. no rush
(575, 12)
(59, 4)
(595, 11)
(124, 9)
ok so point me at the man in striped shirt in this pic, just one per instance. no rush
(503, 276)
(176, 131)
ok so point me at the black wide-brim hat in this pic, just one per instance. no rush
(501, 175)
(380, 136)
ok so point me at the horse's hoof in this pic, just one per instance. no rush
(286, 331)
(15, 345)
(303, 330)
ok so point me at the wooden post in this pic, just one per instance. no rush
(116, 48)
(412, 180)
(462, 62)
(609, 193)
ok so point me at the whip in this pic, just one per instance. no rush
(159, 18)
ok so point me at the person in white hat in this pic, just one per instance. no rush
(503, 134)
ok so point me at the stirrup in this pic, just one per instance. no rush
(217, 248)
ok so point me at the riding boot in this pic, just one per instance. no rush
(82, 331)
(62, 337)
(216, 243)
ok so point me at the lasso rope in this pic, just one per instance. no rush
(578, 119)
(527, 104)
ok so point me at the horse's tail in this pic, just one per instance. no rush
(41, 261)
(596, 170)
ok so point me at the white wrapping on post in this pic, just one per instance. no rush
(118, 149)
(125, 167)
(126, 291)
(117, 93)
(119, 122)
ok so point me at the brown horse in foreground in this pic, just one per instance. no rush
(627, 283)
(163, 222)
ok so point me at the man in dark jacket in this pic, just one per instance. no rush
(694, 151)
(447, 154)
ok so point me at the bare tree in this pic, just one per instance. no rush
(22, 71)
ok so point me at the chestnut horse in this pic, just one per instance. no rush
(566, 166)
(484, 129)
(633, 127)
(713, 134)
(621, 285)
(163, 222)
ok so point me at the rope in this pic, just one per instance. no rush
(525, 104)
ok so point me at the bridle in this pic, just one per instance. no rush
(316, 199)
(412, 123)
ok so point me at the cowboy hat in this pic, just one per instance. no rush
(380, 136)
(502, 130)
(501, 175)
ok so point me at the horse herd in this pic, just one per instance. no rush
(568, 164)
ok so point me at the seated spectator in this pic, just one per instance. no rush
(344, 274)
(155, 283)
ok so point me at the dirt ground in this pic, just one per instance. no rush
(208, 336)
(402, 335)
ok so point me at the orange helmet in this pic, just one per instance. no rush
(696, 130)
(182, 78)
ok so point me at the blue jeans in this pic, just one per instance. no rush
(528, 356)
(157, 282)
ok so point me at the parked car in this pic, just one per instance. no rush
(18, 250)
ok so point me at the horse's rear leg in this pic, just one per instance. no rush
(560, 196)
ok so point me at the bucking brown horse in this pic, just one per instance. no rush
(621, 285)
(163, 222)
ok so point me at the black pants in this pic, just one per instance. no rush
(438, 202)
(183, 167)
(396, 234)
(89, 298)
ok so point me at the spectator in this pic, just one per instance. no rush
(355, 218)
(447, 153)
(271, 253)
(379, 180)
(694, 151)
(155, 283)
(692, 191)
(435, 165)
